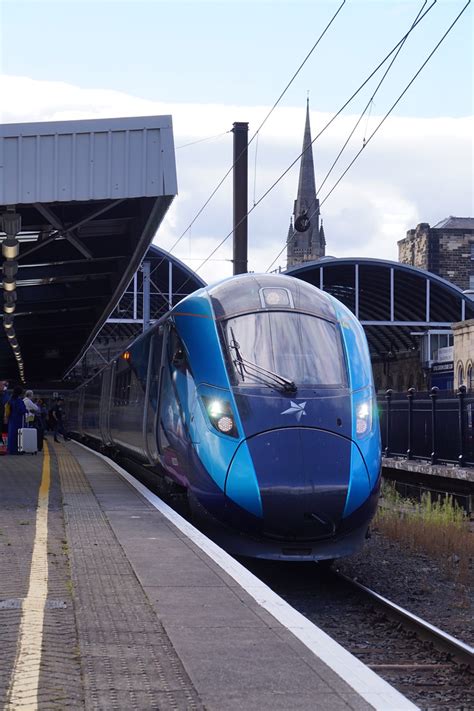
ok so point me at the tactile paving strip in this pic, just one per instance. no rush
(128, 661)
(60, 684)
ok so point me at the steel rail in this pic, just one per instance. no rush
(459, 650)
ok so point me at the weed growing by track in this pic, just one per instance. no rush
(439, 528)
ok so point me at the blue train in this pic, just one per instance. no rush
(256, 395)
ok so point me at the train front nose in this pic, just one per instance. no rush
(303, 479)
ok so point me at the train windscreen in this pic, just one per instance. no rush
(302, 348)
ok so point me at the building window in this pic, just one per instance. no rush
(471, 281)
(469, 378)
(460, 375)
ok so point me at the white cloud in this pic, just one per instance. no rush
(414, 170)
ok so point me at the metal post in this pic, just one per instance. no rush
(461, 394)
(240, 131)
(146, 295)
(433, 396)
(388, 397)
(135, 295)
(170, 284)
(410, 396)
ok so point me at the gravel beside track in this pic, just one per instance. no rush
(416, 582)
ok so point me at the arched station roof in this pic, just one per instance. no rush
(391, 300)
(170, 280)
(88, 197)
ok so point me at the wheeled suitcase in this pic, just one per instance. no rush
(27, 440)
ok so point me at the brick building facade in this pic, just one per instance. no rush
(464, 354)
(447, 249)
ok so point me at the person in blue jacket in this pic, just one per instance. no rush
(4, 397)
(16, 419)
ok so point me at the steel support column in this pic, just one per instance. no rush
(146, 295)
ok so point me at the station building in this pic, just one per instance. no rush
(447, 249)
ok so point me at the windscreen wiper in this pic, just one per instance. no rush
(244, 366)
(285, 383)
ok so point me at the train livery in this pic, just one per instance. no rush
(256, 395)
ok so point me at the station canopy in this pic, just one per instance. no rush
(91, 196)
(393, 301)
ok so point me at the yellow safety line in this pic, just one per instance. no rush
(25, 680)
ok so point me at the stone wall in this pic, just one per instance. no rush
(443, 252)
(464, 354)
(400, 374)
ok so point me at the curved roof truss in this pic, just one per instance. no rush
(390, 299)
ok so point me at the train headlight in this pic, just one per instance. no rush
(220, 415)
(364, 417)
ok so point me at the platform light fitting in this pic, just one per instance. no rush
(10, 248)
(9, 285)
(7, 322)
(9, 308)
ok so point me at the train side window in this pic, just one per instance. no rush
(123, 381)
(176, 351)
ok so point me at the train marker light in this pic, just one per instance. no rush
(225, 424)
(364, 417)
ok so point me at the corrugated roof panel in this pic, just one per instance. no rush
(87, 160)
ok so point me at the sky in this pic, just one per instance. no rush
(209, 64)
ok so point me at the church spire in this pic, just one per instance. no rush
(308, 242)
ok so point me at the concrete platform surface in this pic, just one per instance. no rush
(106, 602)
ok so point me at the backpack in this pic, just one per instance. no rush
(7, 411)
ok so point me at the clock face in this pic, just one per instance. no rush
(302, 223)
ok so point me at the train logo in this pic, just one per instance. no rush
(298, 410)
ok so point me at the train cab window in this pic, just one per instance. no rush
(305, 349)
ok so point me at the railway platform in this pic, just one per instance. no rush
(108, 600)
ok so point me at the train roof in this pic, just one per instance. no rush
(253, 292)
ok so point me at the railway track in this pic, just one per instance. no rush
(429, 667)
(459, 651)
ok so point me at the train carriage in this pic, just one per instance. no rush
(256, 395)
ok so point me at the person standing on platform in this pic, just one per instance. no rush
(58, 417)
(16, 419)
(33, 417)
(4, 397)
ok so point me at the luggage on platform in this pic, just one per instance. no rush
(27, 440)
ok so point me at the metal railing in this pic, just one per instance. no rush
(434, 426)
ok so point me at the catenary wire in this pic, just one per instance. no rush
(369, 103)
(394, 49)
(201, 140)
(380, 123)
(201, 210)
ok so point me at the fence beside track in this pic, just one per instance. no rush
(433, 426)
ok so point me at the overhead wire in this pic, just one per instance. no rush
(396, 102)
(370, 102)
(394, 49)
(206, 203)
(201, 140)
(381, 122)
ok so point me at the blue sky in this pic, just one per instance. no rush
(239, 53)
(212, 63)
